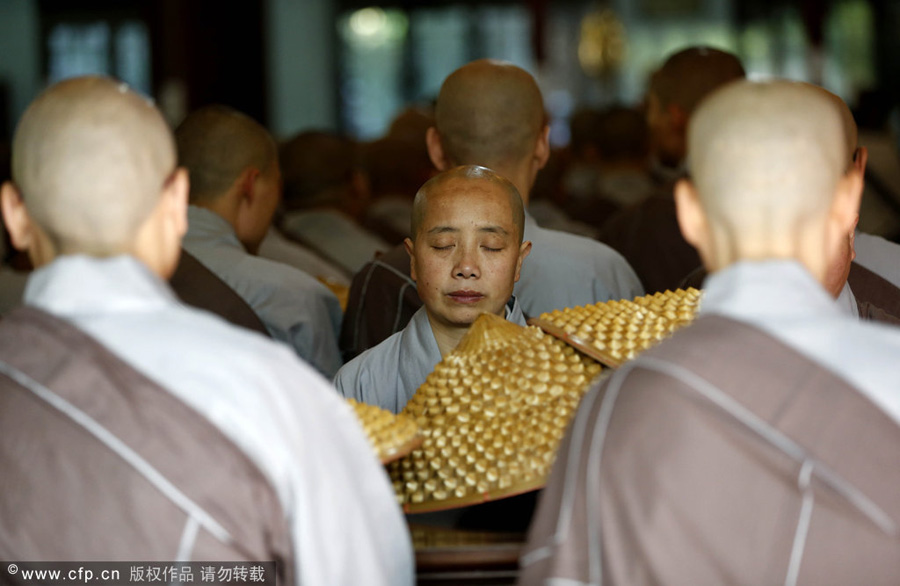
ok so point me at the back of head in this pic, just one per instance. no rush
(489, 113)
(851, 132)
(691, 74)
(411, 125)
(622, 135)
(583, 128)
(396, 167)
(318, 169)
(216, 144)
(90, 159)
(766, 159)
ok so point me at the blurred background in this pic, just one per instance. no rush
(351, 66)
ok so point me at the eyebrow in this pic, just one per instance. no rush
(491, 229)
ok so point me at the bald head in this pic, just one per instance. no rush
(847, 121)
(319, 169)
(691, 74)
(216, 144)
(90, 159)
(489, 113)
(766, 159)
(459, 178)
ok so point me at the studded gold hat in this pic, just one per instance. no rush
(616, 331)
(391, 436)
(492, 414)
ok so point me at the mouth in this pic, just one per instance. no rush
(465, 297)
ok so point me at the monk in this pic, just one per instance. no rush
(135, 427)
(647, 233)
(859, 291)
(758, 445)
(491, 113)
(325, 198)
(235, 189)
(466, 254)
(861, 280)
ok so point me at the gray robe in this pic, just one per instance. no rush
(565, 270)
(389, 374)
(295, 308)
(198, 286)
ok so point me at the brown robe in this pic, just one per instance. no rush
(727, 457)
(68, 492)
(648, 236)
(199, 287)
(877, 298)
(383, 298)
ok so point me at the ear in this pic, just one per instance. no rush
(411, 251)
(678, 117)
(840, 227)
(436, 149)
(692, 219)
(542, 148)
(860, 158)
(176, 193)
(247, 182)
(16, 218)
(853, 239)
(524, 250)
(844, 211)
(158, 240)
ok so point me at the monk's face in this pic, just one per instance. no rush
(466, 256)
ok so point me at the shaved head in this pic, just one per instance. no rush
(489, 113)
(318, 169)
(689, 75)
(217, 144)
(766, 158)
(458, 178)
(849, 123)
(90, 159)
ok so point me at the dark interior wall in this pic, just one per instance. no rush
(887, 47)
(216, 49)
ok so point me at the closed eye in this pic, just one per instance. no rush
(489, 249)
(448, 247)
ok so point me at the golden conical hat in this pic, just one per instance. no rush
(492, 414)
(391, 436)
(617, 331)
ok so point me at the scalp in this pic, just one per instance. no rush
(765, 156)
(445, 183)
(216, 144)
(489, 113)
(90, 158)
(691, 74)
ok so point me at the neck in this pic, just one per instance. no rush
(802, 246)
(446, 336)
(522, 175)
(224, 206)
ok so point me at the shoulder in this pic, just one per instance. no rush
(377, 366)
(562, 247)
(277, 273)
(564, 270)
(267, 283)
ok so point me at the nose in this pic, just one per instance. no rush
(466, 265)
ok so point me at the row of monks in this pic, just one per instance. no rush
(203, 300)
